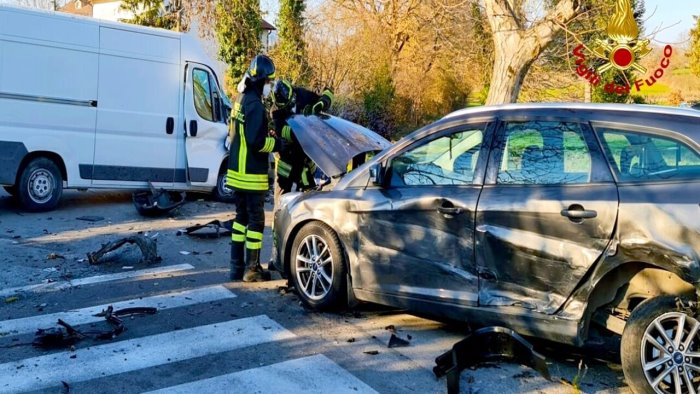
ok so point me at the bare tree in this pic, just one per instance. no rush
(519, 42)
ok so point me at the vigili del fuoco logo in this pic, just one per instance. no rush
(621, 52)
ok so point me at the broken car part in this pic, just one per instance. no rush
(487, 344)
(215, 229)
(148, 246)
(66, 335)
(156, 202)
(332, 142)
(395, 341)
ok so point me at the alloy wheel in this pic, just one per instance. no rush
(671, 354)
(314, 267)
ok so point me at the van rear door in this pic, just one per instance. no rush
(206, 128)
(139, 98)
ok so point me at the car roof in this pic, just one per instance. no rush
(629, 108)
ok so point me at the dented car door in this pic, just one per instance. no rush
(419, 243)
(545, 216)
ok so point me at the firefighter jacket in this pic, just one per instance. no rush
(293, 166)
(251, 145)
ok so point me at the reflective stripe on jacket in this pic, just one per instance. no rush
(251, 145)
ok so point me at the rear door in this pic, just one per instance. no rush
(206, 116)
(417, 238)
(545, 216)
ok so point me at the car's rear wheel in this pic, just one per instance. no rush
(660, 348)
(318, 268)
(40, 185)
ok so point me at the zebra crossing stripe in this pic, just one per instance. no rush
(314, 374)
(86, 315)
(135, 354)
(60, 285)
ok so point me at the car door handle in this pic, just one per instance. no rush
(450, 210)
(169, 125)
(193, 128)
(579, 214)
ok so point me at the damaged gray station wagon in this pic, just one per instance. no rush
(551, 220)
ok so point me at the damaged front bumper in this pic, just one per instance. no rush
(281, 230)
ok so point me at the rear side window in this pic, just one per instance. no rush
(640, 157)
(543, 153)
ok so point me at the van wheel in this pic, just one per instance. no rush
(11, 190)
(40, 185)
(318, 267)
(222, 192)
(660, 348)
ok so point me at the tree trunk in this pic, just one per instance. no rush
(517, 47)
(510, 66)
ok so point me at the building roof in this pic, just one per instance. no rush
(78, 7)
(267, 25)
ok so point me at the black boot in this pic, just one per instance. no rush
(254, 272)
(237, 264)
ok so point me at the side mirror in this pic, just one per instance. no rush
(376, 174)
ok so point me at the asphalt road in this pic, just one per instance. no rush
(211, 335)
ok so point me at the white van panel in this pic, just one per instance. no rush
(48, 27)
(131, 122)
(145, 46)
(46, 71)
(66, 130)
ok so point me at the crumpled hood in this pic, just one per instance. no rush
(332, 142)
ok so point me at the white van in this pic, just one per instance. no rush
(86, 103)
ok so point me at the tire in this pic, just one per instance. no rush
(11, 190)
(222, 193)
(643, 343)
(321, 287)
(40, 185)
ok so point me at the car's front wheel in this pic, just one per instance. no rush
(223, 193)
(318, 268)
(660, 348)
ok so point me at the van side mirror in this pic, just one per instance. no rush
(376, 174)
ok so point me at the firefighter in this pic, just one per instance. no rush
(293, 165)
(251, 144)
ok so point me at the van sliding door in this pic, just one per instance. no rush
(139, 96)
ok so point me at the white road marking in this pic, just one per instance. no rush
(95, 279)
(135, 354)
(314, 374)
(85, 315)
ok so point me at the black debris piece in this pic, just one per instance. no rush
(65, 336)
(66, 387)
(214, 229)
(156, 202)
(148, 246)
(484, 345)
(91, 218)
(395, 341)
(372, 352)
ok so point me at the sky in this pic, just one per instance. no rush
(674, 19)
(668, 20)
